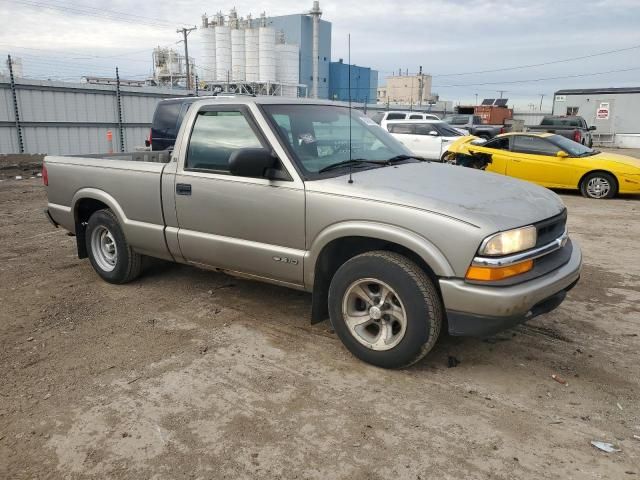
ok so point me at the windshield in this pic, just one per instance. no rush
(456, 119)
(318, 136)
(446, 131)
(574, 149)
(562, 122)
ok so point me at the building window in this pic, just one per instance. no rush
(571, 111)
(324, 80)
(325, 59)
(311, 78)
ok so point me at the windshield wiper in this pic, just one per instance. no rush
(402, 158)
(359, 162)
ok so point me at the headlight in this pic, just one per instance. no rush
(511, 241)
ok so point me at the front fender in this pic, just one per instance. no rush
(380, 231)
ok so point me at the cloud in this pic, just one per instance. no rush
(442, 36)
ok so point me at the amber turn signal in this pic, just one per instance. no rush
(498, 273)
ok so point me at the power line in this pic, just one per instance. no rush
(509, 82)
(98, 13)
(552, 62)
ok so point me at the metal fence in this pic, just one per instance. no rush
(38, 116)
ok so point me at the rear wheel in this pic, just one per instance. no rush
(109, 253)
(599, 185)
(385, 309)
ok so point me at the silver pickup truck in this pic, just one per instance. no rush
(314, 196)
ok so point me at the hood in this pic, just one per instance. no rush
(624, 160)
(480, 198)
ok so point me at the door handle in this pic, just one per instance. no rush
(183, 189)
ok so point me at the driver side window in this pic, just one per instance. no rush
(215, 136)
(533, 145)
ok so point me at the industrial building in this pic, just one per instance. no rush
(286, 55)
(406, 90)
(613, 111)
(364, 82)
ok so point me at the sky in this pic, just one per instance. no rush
(450, 39)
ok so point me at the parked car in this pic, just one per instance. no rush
(573, 127)
(381, 118)
(281, 190)
(473, 124)
(427, 138)
(554, 161)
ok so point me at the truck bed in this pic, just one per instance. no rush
(134, 179)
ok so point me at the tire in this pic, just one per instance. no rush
(400, 322)
(599, 185)
(109, 253)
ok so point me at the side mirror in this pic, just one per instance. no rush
(252, 162)
(592, 127)
(562, 154)
(433, 133)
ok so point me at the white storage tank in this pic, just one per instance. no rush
(238, 60)
(287, 68)
(208, 60)
(223, 50)
(267, 55)
(252, 57)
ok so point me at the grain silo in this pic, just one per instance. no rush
(252, 62)
(238, 61)
(223, 49)
(208, 60)
(266, 51)
(287, 68)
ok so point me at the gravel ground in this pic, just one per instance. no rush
(192, 374)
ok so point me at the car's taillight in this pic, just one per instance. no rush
(576, 136)
(502, 130)
(45, 175)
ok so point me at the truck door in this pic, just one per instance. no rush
(249, 225)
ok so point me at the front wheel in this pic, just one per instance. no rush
(599, 185)
(109, 253)
(385, 309)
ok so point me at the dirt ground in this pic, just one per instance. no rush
(192, 374)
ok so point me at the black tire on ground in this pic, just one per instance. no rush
(413, 291)
(104, 229)
(603, 176)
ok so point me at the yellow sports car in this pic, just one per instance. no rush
(553, 161)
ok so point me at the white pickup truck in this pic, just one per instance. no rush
(315, 196)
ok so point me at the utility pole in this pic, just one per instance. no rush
(501, 92)
(185, 32)
(476, 99)
(541, 97)
(420, 86)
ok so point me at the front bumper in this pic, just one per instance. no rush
(478, 310)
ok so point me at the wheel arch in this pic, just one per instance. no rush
(340, 242)
(599, 170)
(85, 203)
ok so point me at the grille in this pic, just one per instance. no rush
(551, 228)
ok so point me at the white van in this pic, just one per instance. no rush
(426, 138)
(381, 118)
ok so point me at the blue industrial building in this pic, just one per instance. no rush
(364, 83)
(298, 29)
